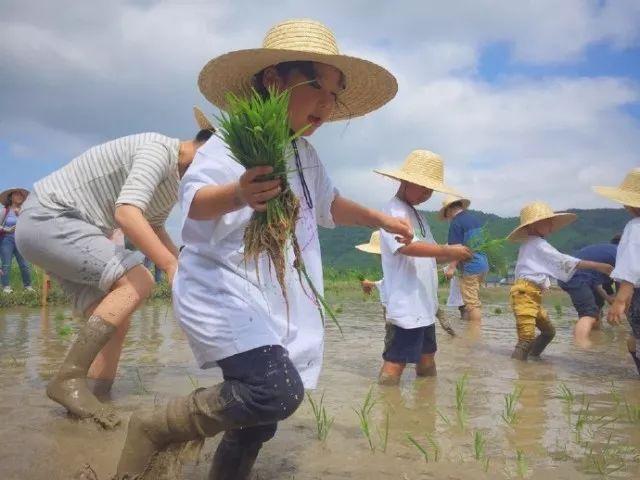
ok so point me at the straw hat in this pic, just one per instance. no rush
(373, 246)
(201, 119)
(628, 193)
(4, 196)
(451, 199)
(368, 86)
(423, 168)
(535, 212)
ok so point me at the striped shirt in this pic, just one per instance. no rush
(139, 170)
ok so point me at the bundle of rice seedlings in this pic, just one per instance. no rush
(493, 248)
(256, 131)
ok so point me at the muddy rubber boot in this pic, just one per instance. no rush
(233, 461)
(430, 371)
(101, 387)
(541, 342)
(444, 323)
(521, 352)
(194, 417)
(69, 386)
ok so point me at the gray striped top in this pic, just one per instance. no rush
(139, 170)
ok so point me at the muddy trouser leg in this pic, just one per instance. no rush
(526, 326)
(238, 450)
(547, 332)
(260, 388)
(633, 343)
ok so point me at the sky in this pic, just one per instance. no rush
(524, 100)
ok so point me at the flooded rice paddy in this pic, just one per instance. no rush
(574, 414)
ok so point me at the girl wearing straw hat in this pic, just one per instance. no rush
(11, 201)
(410, 271)
(233, 318)
(65, 227)
(464, 227)
(627, 270)
(537, 263)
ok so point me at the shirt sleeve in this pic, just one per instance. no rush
(627, 267)
(389, 239)
(151, 165)
(556, 264)
(325, 192)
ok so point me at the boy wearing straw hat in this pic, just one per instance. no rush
(410, 271)
(537, 263)
(269, 350)
(463, 228)
(627, 270)
(66, 227)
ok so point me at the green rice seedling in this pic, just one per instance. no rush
(339, 309)
(510, 404)
(64, 331)
(493, 248)
(497, 311)
(323, 421)
(256, 132)
(444, 418)
(632, 411)
(419, 447)
(142, 390)
(567, 396)
(479, 443)
(558, 309)
(364, 417)
(522, 468)
(435, 446)
(384, 434)
(193, 381)
(461, 394)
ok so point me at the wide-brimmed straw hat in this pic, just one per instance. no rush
(368, 86)
(423, 168)
(4, 196)
(201, 119)
(628, 193)
(450, 200)
(373, 246)
(535, 212)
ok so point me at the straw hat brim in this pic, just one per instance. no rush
(616, 194)
(368, 86)
(4, 196)
(423, 182)
(202, 121)
(560, 220)
(465, 204)
(368, 248)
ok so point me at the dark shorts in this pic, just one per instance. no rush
(402, 345)
(634, 314)
(585, 299)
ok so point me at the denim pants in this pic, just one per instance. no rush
(8, 250)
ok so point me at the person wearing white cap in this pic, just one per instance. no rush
(66, 226)
(410, 271)
(538, 262)
(627, 270)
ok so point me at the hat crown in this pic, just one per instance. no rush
(631, 182)
(424, 163)
(535, 210)
(302, 35)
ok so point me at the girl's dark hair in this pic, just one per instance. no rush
(204, 135)
(457, 204)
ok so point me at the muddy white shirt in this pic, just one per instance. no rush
(222, 305)
(538, 262)
(410, 283)
(628, 256)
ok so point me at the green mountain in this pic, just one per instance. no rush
(592, 226)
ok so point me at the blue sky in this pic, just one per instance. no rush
(524, 100)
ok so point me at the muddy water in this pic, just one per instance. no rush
(599, 431)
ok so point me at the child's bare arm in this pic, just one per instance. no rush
(621, 303)
(439, 252)
(166, 240)
(137, 229)
(600, 267)
(451, 269)
(348, 212)
(214, 201)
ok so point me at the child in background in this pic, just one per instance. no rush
(627, 270)
(368, 285)
(410, 271)
(537, 263)
(464, 227)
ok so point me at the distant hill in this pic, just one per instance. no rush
(592, 226)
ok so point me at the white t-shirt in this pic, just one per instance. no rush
(538, 261)
(628, 256)
(410, 283)
(222, 305)
(383, 296)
